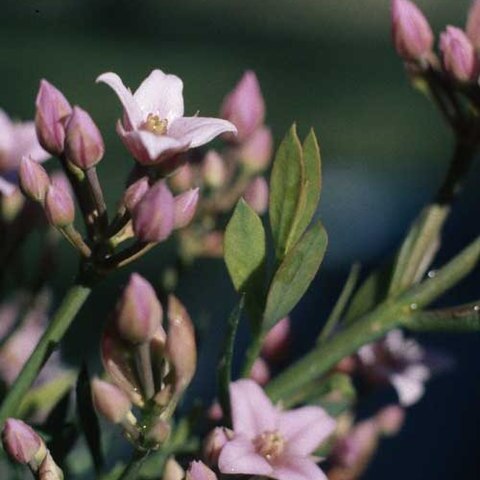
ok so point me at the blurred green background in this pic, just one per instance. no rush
(323, 63)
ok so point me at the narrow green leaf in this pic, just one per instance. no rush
(245, 248)
(464, 318)
(311, 188)
(295, 274)
(88, 418)
(225, 364)
(286, 182)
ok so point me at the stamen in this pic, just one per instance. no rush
(155, 124)
(269, 444)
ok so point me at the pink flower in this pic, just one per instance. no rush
(199, 471)
(154, 126)
(17, 139)
(270, 442)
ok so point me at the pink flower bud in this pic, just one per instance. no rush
(214, 171)
(215, 412)
(199, 471)
(139, 313)
(110, 401)
(173, 471)
(59, 179)
(214, 443)
(181, 348)
(277, 341)
(473, 24)
(459, 56)
(84, 145)
(34, 180)
(260, 371)
(53, 110)
(21, 442)
(256, 195)
(185, 207)
(135, 193)
(182, 179)
(159, 432)
(49, 470)
(244, 106)
(391, 419)
(257, 150)
(11, 204)
(412, 35)
(59, 206)
(154, 216)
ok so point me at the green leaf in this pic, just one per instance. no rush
(295, 274)
(464, 318)
(311, 187)
(245, 248)
(225, 363)
(88, 418)
(286, 183)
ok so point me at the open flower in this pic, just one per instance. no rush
(270, 442)
(17, 139)
(154, 127)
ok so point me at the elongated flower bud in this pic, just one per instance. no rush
(412, 35)
(59, 206)
(154, 216)
(459, 56)
(22, 443)
(260, 371)
(390, 419)
(52, 112)
(135, 193)
(277, 341)
(245, 106)
(182, 179)
(473, 24)
(110, 401)
(181, 347)
(256, 195)
(11, 204)
(185, 207)
(139, 313)
(256, 152)
(214, 443)
(34, 180)
(173, 471)
(84, 145)
(159, 432)
(199, 471)
(214, 172)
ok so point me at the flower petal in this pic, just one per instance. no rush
(26, 144)
(297, 468)
(6, 188)
(132, 109)
(239, 457)
(252, 411)
(162, 95)
(409, 388)
(199, 130)
(304, 429)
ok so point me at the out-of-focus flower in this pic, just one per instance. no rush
(256, 195)
(459, 57)
(214, 171)
(182, 179)
(34, 180)
(110, 401)
(185, 207)
(51, 116)
(154, 215)
(22, 443)
(17, 140)
(270, 442)
(390, 419)
(401, 362)
(256, 152)
(412, 35)
(277, 341)
(473, 24)
(199, 471)
(59, 206)
(173, 471)
(260, 371)
(214, 442)
(244, 106)
(84, 145)
(153, 126)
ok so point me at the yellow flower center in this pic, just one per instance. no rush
(269, 444)
(155, 124)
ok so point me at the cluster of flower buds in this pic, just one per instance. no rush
(23, 445)
(148, 367)
(225, 176)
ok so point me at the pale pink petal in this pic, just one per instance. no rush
(132, 109)
(297, 468)
(26, 144)
(6, 188)
(199, 130)
(239, 457)
(148, 148)
(162, 95)
(252, 411)
(409, 389)
(304, 429)
(6, 127)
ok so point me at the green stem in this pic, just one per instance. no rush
(55, 331)
(133, 468)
